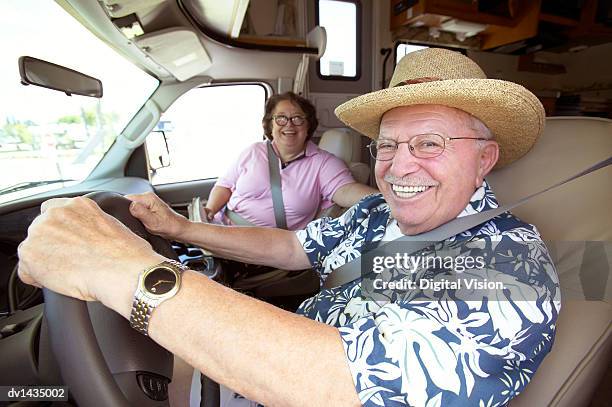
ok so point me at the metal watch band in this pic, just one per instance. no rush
(141, 313)
(180, 266)
(142, 306)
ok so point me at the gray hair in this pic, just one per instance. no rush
(481, 129)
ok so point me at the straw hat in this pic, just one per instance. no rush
(442, 77)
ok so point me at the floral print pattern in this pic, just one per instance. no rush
(421, 350)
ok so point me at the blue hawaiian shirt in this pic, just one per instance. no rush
(422, 351)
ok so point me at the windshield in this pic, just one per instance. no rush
(46, 135)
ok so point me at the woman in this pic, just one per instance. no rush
(311, 178)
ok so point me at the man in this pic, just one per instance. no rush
(439, 129)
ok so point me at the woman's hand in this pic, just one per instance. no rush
(208, 214)
(217, 199)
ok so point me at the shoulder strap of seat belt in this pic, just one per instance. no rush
(237, 219)
(351, 271)
(275, 184)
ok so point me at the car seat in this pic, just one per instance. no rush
(575, 222)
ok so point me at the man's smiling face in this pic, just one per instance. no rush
(424, 193)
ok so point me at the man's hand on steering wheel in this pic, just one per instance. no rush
(75, 249)
(157, 217)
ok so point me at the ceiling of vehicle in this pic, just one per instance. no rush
(159, 36)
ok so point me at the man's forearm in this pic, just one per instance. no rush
(75, 249)
(260, 351)
(255, 245)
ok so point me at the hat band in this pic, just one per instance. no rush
(417, 80)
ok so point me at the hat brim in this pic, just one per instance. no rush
(511, 112)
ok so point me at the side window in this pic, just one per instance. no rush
(205, 131)
(340, 19)
(402, 49)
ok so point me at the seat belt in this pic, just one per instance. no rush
(237, 219)
(275, 184)
(277, 195)
(351, 271)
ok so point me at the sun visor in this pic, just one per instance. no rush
(178, 50)
(225, 17)
(122, 8)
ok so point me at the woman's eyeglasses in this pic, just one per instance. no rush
(282, 120)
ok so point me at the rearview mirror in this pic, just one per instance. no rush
(37, 72)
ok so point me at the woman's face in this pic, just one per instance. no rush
(289, 136)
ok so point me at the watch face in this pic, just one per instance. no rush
(159, 281)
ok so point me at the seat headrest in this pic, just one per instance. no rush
(579, 210)
(346, 145)
(343, 143)
(573, 219)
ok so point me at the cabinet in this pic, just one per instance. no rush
(498, 12)
(545, 23)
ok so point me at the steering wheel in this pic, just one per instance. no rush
(103, 361)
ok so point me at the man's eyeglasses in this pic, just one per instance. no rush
(420, 146)
(282, 120)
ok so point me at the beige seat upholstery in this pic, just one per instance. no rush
(346, 145)
(576, 223)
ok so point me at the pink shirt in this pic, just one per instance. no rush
(308, 183)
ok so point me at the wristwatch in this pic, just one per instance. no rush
(156, 284)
